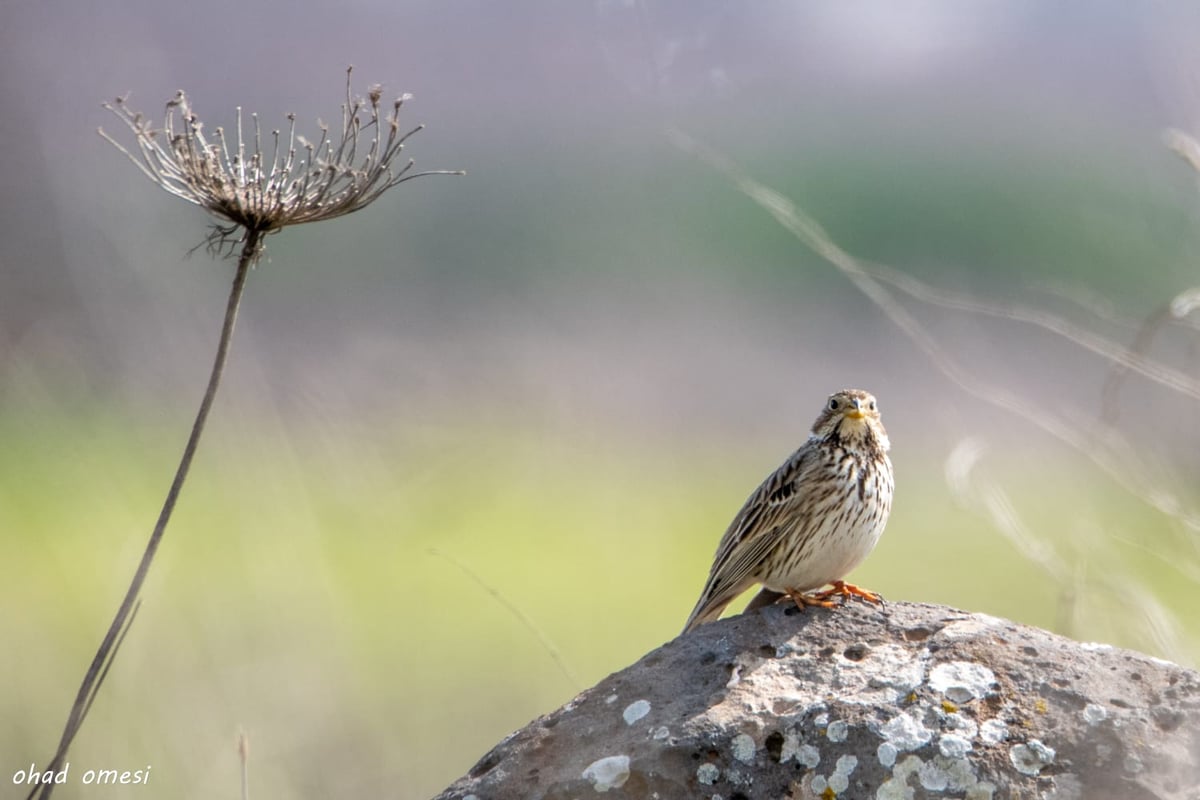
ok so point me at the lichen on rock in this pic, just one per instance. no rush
(908, 701)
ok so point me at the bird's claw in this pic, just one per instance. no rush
(840, 590)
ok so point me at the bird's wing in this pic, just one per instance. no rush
(762, 522)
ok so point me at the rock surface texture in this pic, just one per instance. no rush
(907, 701)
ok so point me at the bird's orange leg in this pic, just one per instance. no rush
(803, 600)
(844, 590)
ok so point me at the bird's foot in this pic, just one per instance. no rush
(843, 590)
(803, 600)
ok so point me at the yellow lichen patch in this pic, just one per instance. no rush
(828, 794)
(949, 707)
(1040, 705)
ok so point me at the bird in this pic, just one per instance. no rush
(813, 520)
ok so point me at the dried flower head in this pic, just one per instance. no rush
(291, 182)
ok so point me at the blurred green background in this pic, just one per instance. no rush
(478, 443)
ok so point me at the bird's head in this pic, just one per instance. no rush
(851, 415)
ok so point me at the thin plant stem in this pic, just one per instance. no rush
(243, 748)
(521, 616)
(251, 248)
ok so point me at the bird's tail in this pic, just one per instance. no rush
(708, 609)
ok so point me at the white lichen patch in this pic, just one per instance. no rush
(905, 733)
(790, 748)
(837, 730)
(886, 753)
(961, 772)
(962, 681)
(743, 748)
(984, 790)
(970, 628)
(885, 675)
(961, 726)
(661, 732)
(607, 773)
(735, 676)
(635, 711)
(839, 781)
(953, 746)
(612, 698)
(808, 755)
(892, 789)
(739, 778)
(1030, 758)
(896, 787)
(1095, 647)
(993, 731)
(942, 774)
(933, 777)
(708, 774)
(1094, 714)
(891, 672)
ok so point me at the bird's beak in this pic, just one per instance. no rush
(856, 412)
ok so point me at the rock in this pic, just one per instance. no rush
(908, 701)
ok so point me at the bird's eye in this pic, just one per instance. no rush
(833, 404)
(871, 406)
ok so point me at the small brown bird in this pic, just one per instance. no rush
(813, 520)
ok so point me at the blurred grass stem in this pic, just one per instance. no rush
(1105, 448)
(521, 616)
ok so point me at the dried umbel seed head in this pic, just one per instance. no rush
(288, 180)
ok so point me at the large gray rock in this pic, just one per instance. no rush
(907, 701)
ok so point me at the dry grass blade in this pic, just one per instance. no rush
(1124, 359)
(521, 616)
(1106, 450)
